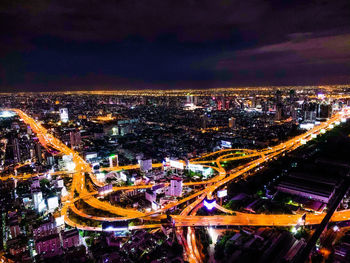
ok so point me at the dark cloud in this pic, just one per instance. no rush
(116, 20)
(73, 44)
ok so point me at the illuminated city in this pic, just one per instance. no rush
(134, 132)
(74, 167)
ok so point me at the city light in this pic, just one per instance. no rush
(6, 114)
(176, 164)
(112, 229)
(209, 204)
(86, 186)
(70, 166)
(222, 193)
(294, 230)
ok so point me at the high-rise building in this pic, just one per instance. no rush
(231, 122)
(189, 99)
(293, 113)
(70, 238)
(219, 104)
(29, 130)
(16, 150)
(323, 111)
(278, 97)
(64, 115)
(278, 115)
(145, 165)
(50, 160)
(113, 160)
(309, 110)
(204, 121)
(49, 245)
(227, 103)
(264, 106)
(38, 152)
(75, 139)
(37, 199)
(292, 96)
(254, 101)
(309, 116)
(175, 188)
(279, 105)
(151, 195)
(242, 105)
(14, 229)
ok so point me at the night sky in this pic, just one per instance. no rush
(82, 45)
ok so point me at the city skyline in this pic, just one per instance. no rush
(174, 176)
(59, 46)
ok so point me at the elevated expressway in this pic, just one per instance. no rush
(187, 218)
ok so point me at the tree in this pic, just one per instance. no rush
(44, 184)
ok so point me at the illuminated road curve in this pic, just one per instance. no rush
(78, 183)
(184, 219)
(243, 219)
(79, 186)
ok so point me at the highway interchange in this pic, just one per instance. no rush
(187, 218)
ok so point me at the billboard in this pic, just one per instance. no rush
(222, 193)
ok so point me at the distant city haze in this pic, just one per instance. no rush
(59, 46)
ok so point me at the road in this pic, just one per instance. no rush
(187, 218)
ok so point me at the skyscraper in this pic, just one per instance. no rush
(38, 152)
(279, 105)
(231, 122)
(323, 111)
(16, 150)
(75, 139)
(64, 115)
(175, 188)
